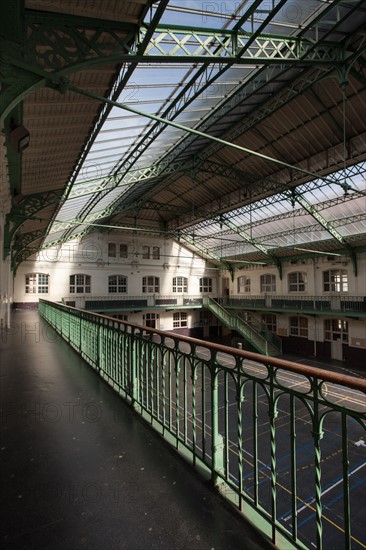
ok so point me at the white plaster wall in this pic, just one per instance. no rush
(90, 256)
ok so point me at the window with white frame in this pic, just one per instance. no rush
(297, 281)
(150, 284)
(268, 283)
(180, 284)
(335, 280)
(117, 284)
(336, 329)
(80, 283)
(151, 252)
(112, 250)
(180, 319)
(36, 283)
(123, 251)
(243, 285)
(269, 322)
(299, 326)
(206, 284)
(151, 320)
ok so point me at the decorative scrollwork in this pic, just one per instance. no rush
(63, 46)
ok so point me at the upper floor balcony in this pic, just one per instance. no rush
(283, 442)
(352, 306)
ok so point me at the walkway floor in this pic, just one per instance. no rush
(81, 471)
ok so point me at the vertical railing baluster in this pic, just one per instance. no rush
(255, 443)
(216, 444)
(163, 386)
(158, 368)
(194, 426)
(293, 466)
(239, 402)
(150, 381)
(170, 391)
(203, 410)
(226, 425)
(317, 435)
(272, 422)
(185, 412)
(346, 501)
(177, 397)
(135, 383)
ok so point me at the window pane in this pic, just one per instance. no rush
(268, 283)
(335, 280)
(205, 284)
(80, 283)
(112, 250)
(123, 251)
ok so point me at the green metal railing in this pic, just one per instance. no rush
(337, 303)
(235, 322)
(283, 442)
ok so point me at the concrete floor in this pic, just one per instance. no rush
(81, 471)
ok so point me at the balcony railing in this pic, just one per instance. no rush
(284, 442)
(320, 304)
(124, 301)
(346, 304)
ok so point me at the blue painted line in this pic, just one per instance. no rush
(336, 480)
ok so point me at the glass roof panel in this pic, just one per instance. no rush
(189, 95)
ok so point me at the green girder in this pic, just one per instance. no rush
(329, 227)
(205, 253)
(41, 61)
(248, 239)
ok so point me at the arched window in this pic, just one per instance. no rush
(299, 326)
(80, 283)
(205, 284)
(117, 284)
(36, 283)
(335, 280)
(243, 285)
(150, 284)
(297, 282)
(268, 283)
(180, 284)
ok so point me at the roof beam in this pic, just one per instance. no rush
(204, 252)
(248, 239)
(326, 225)
(186, 44)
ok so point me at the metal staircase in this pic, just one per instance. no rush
(267, 343)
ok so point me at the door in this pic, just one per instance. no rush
(337, 350)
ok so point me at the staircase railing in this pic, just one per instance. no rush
(249, 332)
(271, 337)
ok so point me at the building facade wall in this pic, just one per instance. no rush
(105, 255)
